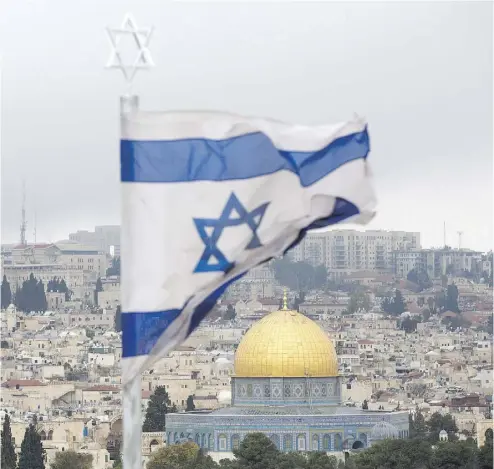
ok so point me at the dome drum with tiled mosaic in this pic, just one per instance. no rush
(286, 385)
(286, 359)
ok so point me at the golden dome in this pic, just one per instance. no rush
(285, 344)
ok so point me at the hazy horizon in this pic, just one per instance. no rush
(421, 73)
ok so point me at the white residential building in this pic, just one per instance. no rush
(346, 251)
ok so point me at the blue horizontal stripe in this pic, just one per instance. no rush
(141, 331)
(243, 157)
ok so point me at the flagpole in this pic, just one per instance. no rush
(131, 391)
(129, 103)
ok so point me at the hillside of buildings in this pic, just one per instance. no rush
(412, 329)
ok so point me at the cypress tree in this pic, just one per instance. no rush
(18, 298)
(158, 407)
(118, 319)
(32, 454)
(97, 289)
(6, 293)
(8, 456)
(40, 297)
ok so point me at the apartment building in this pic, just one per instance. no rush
(257, 283)
(346, 251)
(436, 262)
(104, 238)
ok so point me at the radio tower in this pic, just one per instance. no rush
(23, 215)
(459, 239)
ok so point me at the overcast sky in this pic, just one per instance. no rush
(421, 73)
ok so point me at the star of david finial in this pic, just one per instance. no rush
(210, 230)
(141, 38)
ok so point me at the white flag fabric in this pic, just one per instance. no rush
(208, 196)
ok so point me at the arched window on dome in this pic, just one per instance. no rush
(235, 441)
(315, 442)
(301, 442)
(363, 438)
(326, 442)
(42, 435)
(288, 442)
(222, 442)
(197, 439)
(175, 437)
(203, 440)
(338, 442)
(210, 442)
(275, 439)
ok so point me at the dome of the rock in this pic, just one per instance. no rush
(286, 344)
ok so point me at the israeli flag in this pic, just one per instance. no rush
(208, 196)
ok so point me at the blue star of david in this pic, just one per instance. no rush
(210, 229)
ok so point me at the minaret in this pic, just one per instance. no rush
(23, 215)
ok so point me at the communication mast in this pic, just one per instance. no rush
(23, 215)
(34, 230)
(460, 233)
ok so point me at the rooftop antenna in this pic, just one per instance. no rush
(444, 233)
(34, 230)
(460, 233)
(23, 215)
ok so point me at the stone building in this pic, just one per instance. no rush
(286, 385)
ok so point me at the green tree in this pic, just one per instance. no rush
(201, 461)
(320, 460)
(417, 425)
(419, 277)
(291, 460)
(399, 303)
(299, 300)
(230, 313)
(114, 268)
(97, 288)
(455, 455)
(431, 305)
(41, 304)
(409, 324)
(358, 301)
(190, 404)
(485, 453)
(7, 453)
(90, 334)
(118, 319)
(178, 456)
(438, 422)
(6, 293)
(387, 305)
(395, 454)
(31, 296)
(320, 276)
(452, 298)
(299, 276)
(71, 459)
(32, 455)
(256, 451)
(158, 406)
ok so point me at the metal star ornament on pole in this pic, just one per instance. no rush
(131, 394)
